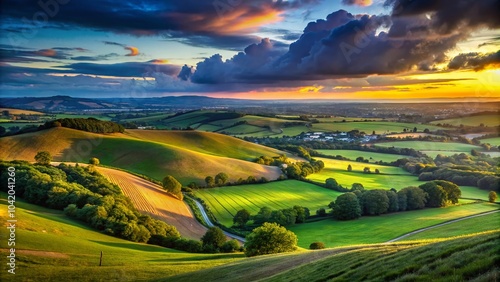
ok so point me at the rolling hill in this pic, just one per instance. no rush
(149, 157)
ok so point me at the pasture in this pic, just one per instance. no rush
(486, 120)
(432, 148)
(47, 238)
(379, 229)
(371, 156)
(226, 201)
(492, 141)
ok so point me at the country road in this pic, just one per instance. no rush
(210, 224)
(439, 225)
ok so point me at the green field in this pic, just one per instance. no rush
(432, 148)
(492, 141)
(379, 229)
(188, 157)
(459, 228)
(47, 238)
(226, 201)
(380, 127)
(372, 156)
(487, 120)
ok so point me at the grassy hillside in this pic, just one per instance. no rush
(379, 229)
(145, 157)
(226, 201)
(464, 227)
(457, 259)
(52, 247)
(207, 143)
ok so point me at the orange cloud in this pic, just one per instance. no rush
(241, 19)
(47, 52)
(134, 51)
(159, 61)
(363, 3)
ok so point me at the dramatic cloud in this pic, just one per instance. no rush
(171, 17)
(362, 3)
(134, 51)
(475, 61)
(415, 37)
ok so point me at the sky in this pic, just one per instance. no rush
(260, 49)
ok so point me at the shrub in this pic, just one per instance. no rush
(317, 246)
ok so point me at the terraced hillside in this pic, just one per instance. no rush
(146, 157)
(151, 199)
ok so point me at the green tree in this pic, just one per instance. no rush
(302, 213)
(347, 207)
(492, 196)
(230, 246)
(357, 186)
(270, 238)
(43, 158)
(393, 201)
(415, 198)
(94, 161)
(366, 170)
(209, 180)
(221, 179)
(349, 168)
(214, 237)
(263, 215)
(171, 185)
(331, 183)
(375, 202)
(453, 192)
(241, 218)
(377, 171)
(436, 195)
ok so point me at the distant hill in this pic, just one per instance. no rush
(154, 154)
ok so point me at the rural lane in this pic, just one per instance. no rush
(438, 225)
(210, 224)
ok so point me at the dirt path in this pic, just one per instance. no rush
(149, 198)
(438, 225)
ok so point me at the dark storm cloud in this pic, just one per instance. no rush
(128, 69)
(416, 37)
(206, 18)
(475, 61)
(95, 58)
(451, 15)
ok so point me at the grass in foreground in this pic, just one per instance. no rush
(53, 247)
(378, 229)
(464, 227)
(455, 259)
(226, 201)
(470, 258)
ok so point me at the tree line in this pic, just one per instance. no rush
(88, 124)
(358, 202)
